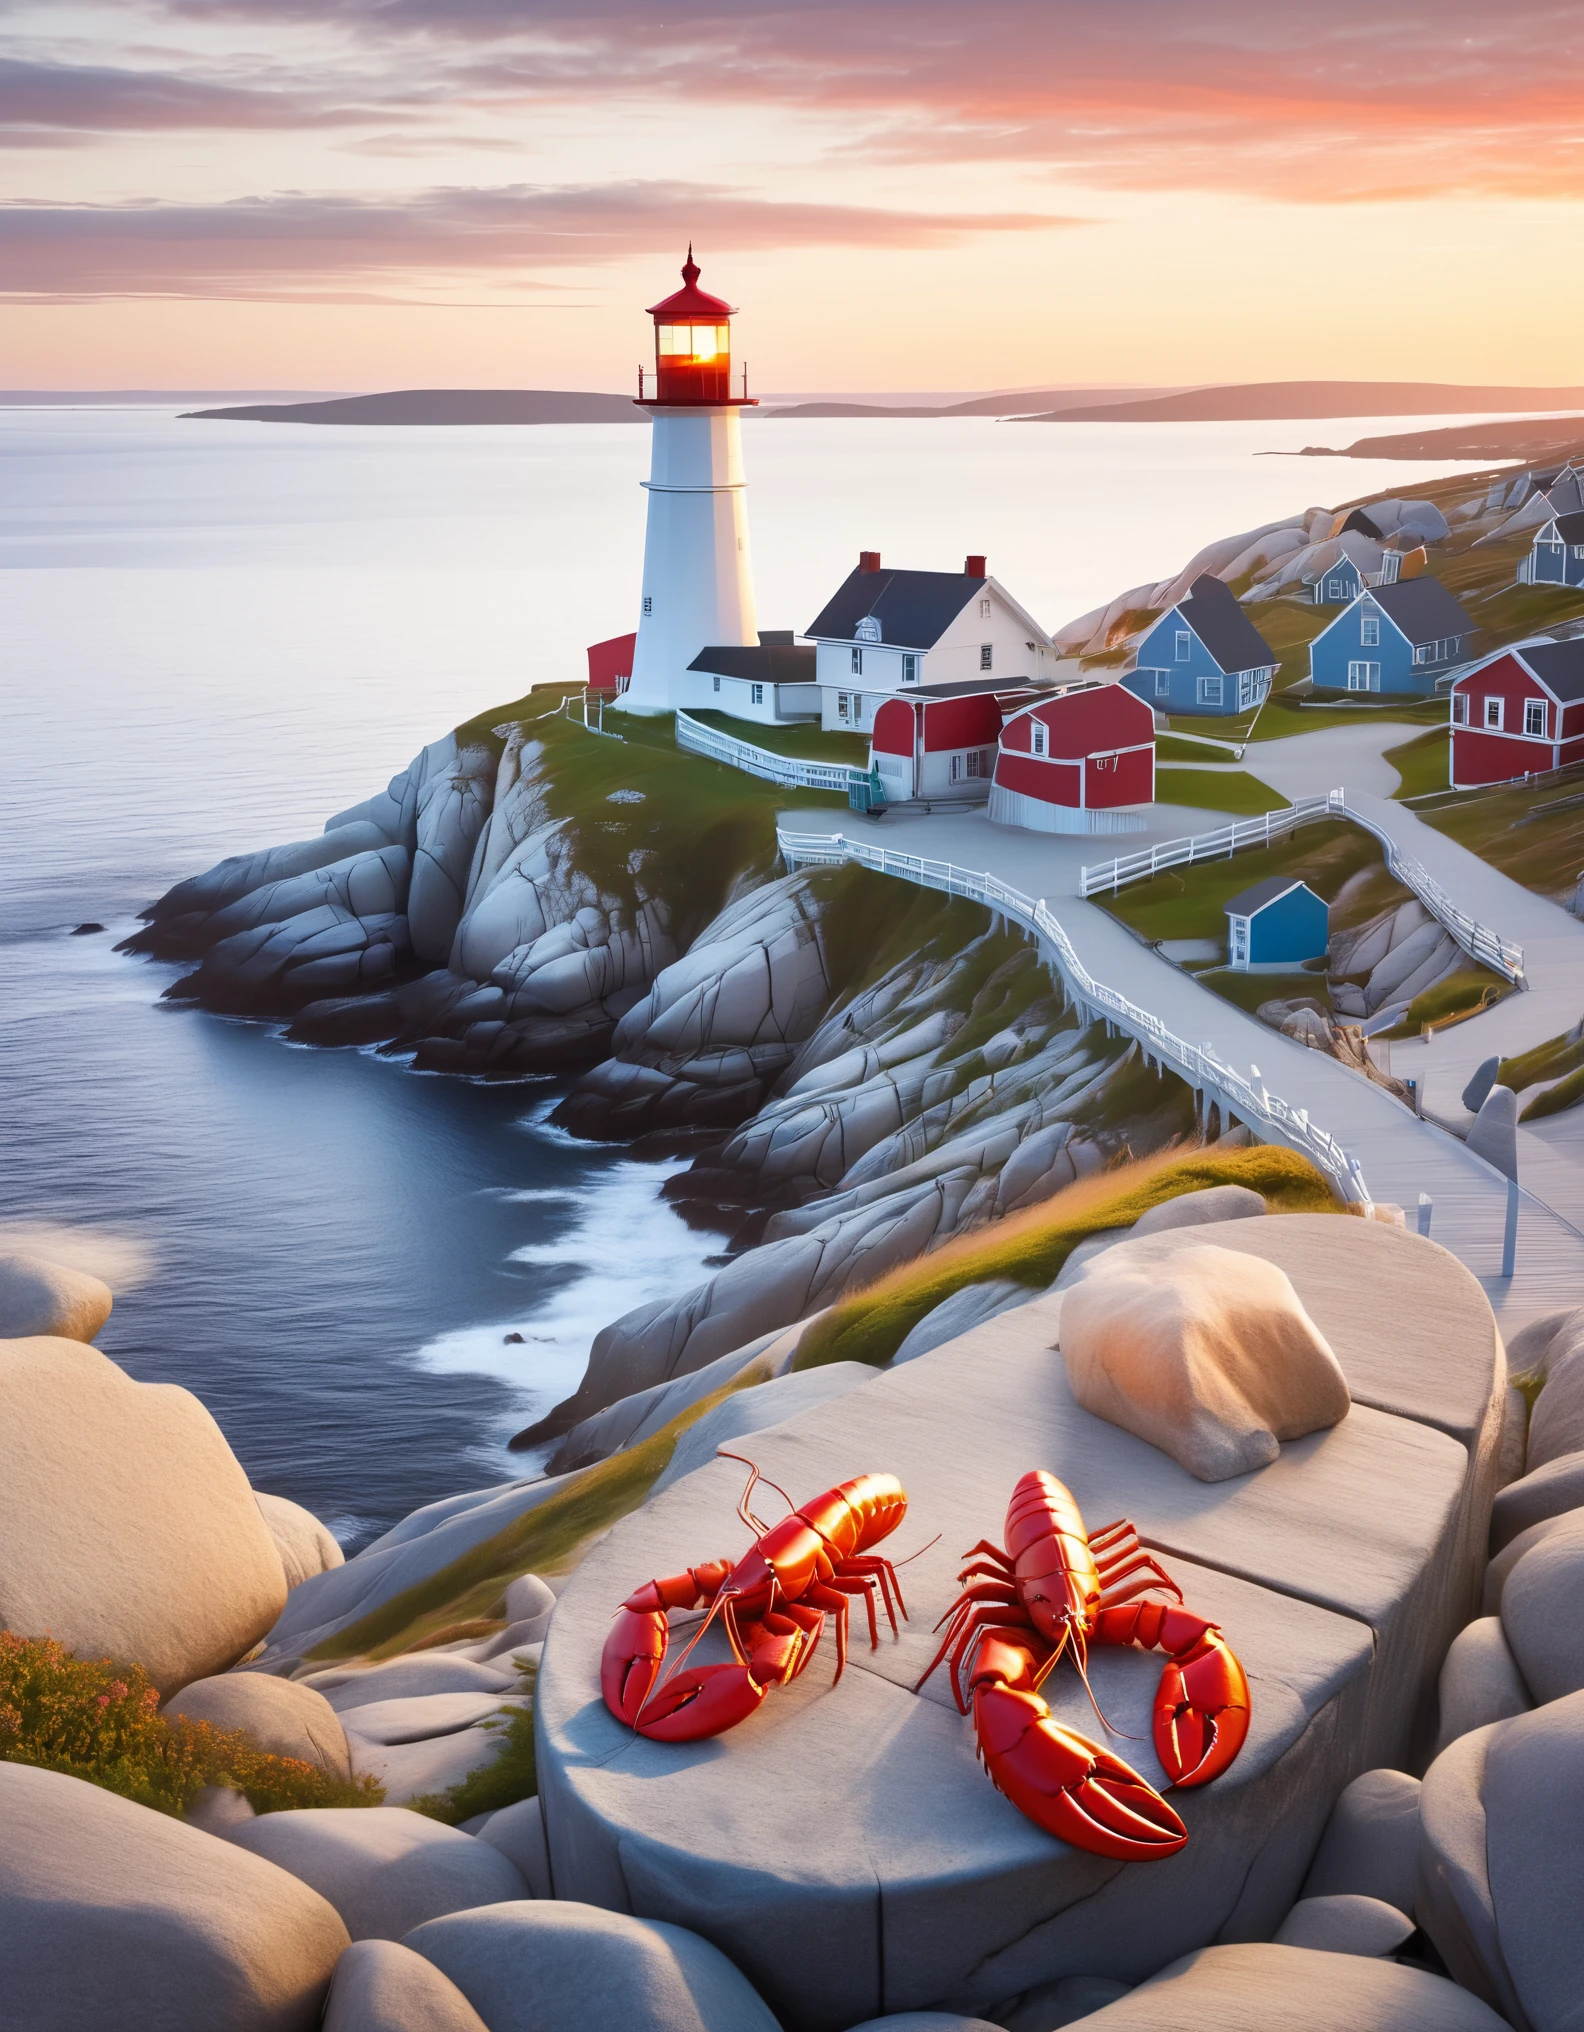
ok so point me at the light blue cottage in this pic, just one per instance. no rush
(1556, 558)
(1204, 655)
(1278, 923)
(1401, 639)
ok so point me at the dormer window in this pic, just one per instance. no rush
(868, 629)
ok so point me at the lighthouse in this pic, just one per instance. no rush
(697, 569)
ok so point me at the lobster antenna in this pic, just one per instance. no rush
(1080, 1659)
(721, 1602)
(919, 1555)
(752, 1522)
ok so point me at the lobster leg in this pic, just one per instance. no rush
(1057, 1778)
(1202, 1706)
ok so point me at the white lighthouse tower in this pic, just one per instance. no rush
(697, 569)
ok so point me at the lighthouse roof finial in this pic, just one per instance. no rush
(690, 301)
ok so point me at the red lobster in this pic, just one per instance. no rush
(772, 1604)
(1054, 1589)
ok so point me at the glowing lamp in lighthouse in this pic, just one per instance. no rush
(698, 572)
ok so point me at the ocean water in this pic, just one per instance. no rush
(212, 636)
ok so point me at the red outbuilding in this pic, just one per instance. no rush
(611, 662)
(1519, 713)
(1074, 762)
(939, 741)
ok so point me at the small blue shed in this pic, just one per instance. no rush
(1204, 655)
(1556, 557)
(1399, 638)
(1276, 923)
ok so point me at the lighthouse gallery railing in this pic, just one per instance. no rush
(1199, 1064)
(789, 769)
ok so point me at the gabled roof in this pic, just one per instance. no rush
(766, 663)
(1559, 667)
(914, 608)
(1364, 524)
(1212, 611)
(1249, 901)
(1422, 609)
(1569, 527)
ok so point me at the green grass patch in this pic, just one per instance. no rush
(100, 1721)
(1178, 748)
(1248, 991)
(1284, 716)
(1231, 790)
(1544, 850)
(805, 741)
(1567, 1093)
(511, 1775)
(547, 1539)
(1548, 1061)
(1031, 1247)
(1422, 763)
(1191, 902)
(1462, 994)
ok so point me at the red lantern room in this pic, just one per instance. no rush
(693, 349)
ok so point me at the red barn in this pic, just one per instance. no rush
(611, 662)
(1069, 764)
(940, 740)
(1519, 713)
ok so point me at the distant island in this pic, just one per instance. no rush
(1274, 401)
(441, 406)
(1527, 437)
(1004, 402)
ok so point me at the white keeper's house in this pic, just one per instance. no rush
(886, 632)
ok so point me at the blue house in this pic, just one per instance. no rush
(1400, 638)
(1204, 655)
(1556, 558)
(1277, 923)
(1348, 566)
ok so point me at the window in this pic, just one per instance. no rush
(910, 666)
(1184, 638)
(1535, 717)
(715, 683)
(1208, 691)
(843, 706)
(1163, 684)
(1336, 589)
(756, 694)
(1369, 629)
(1578, 550)
(986, 654)
(1423, 653)
(648, 603)
(1363, 676)
(1041, 736)
(857, 663)
(984, 610)
(975, 761)
(1493, 713)
(958, 763)
(1460, 716)
(868, 629)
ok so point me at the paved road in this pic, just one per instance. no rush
(1401, 1156)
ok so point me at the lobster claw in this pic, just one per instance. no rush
(630, 1663)
(1067, 1785)
(1201, 1711)
(700, 1700)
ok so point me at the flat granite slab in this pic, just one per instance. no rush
(844, 1847)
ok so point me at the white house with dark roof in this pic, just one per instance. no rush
(885, 631)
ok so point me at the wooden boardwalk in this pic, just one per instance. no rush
(1400, 1156)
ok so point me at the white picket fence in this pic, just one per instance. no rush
(1476, 939)
(1266, 1113)
(789, 769)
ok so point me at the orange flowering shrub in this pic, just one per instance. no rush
(99, 1721)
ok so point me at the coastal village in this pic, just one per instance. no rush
(1099, 1546)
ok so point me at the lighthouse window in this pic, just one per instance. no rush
(696, 342)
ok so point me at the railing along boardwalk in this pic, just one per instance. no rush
(1198, 1064)
(791, 770)
(1476, 939)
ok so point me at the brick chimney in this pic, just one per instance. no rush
(868, 560)
(974, 568)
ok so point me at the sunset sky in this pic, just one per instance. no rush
(351, 194)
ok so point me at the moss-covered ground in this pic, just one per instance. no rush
(1247, 991)
(1030, 1248)
(1214, 789)
(1463, 994)
(1191, 902)
(1421, 763)
(806, 741)
(1533, 832)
